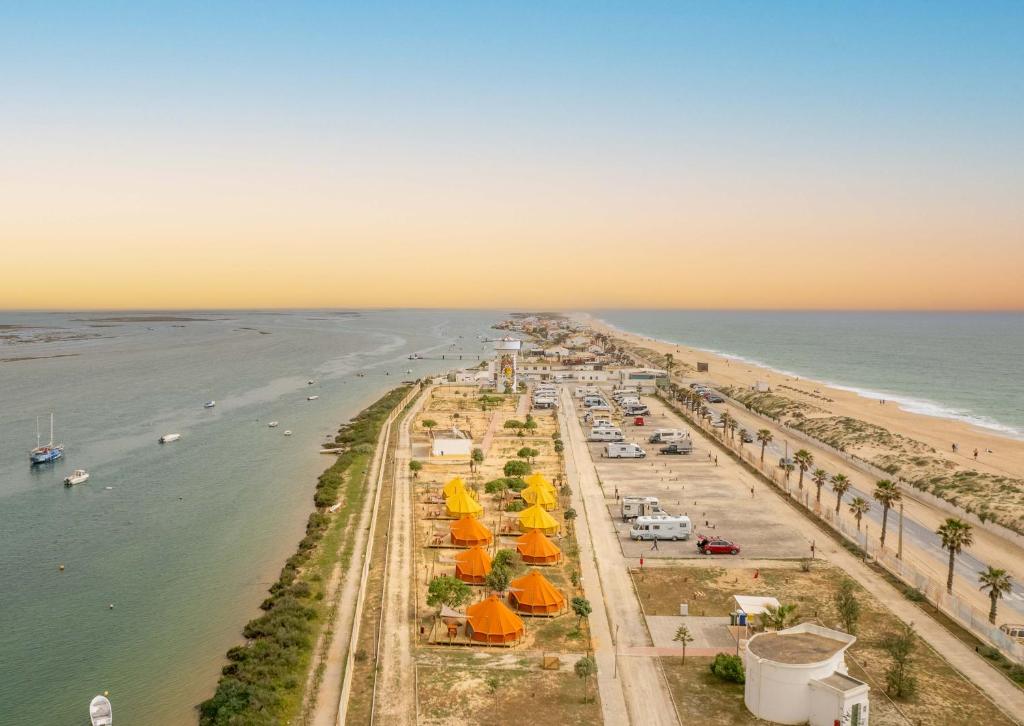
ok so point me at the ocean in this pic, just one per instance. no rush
(183, 539)
(964, 366)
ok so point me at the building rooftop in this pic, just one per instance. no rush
(842, 682)
(794, 647)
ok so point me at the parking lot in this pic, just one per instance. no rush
(716, 497)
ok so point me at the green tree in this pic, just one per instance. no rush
(847, 605)
(728, 668)
(819, 477)
(429, 424)
(886, 493)
(765, 437)
(415, 467)
(997, 582)
(527, 453)
(585, 669)
(509, 559)
(858, 508)
(559, 446)
(840, 485)
(955, 535)
(581, 606)
(778, 618)
(498, 578)
(570, 517)
(899, 678)
(683, 637)
(448, 590)
(476, 458)
(803, 459)
(670, 362)
(514, 424)
(516, 468)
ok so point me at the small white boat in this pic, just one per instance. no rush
(209, 404)
(78, 476)
(272, 424)
(168, 438)
(287, 433)
(312, 398)
(100, 711)
(310, 382)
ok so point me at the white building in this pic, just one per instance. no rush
(451, 443)
(798, 675)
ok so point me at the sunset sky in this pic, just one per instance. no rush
(557, 155)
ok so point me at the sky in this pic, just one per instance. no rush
(557, 155)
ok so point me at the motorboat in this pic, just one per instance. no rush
(100, 711)
(209, 404)
(169, 438)
(78, 476)
(310, 382)
(272, 424)
(45, 453)
(415, 356)
(312, 398)
(287, 433)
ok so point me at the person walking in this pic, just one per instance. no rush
(975, 454)
(654, 547)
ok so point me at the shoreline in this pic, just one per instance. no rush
(905, 402)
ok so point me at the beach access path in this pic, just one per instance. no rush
(633, 688)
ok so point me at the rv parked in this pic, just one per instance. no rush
(661, 527)
(627, 401)
(606, 433)
(591, 401)
(667, 436)
(639, 410)
(624, 450)
(584, 391)
(633, 507)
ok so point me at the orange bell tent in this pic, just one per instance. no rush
(467, 532)
(539, 481)
(453, 486)
(491, 621)
(472, 565)
(536, 549)
(540, 496)
(533, 594)
(461, 504)
(536, 518)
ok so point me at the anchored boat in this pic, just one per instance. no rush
(209, 404)
(43, 454)
(168, 438)
(78, 476)
(100, 711)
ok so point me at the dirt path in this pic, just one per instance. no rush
(634, 690)
(394, 690)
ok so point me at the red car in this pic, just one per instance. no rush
(717, 546)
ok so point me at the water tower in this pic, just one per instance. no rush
(506, 368)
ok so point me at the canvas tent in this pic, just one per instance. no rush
(533, 594)
(491, 621)
(467, 532)
(536, 518)
(539, 481)
(461, 504)
(539, 496)
(537, 549)
(472, 565)
(453, 487)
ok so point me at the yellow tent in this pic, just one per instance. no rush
(461, 504)
(536, 518)
(453, 486)
(542, 497)
(539, 481)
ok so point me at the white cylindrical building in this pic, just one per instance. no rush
(506, 368)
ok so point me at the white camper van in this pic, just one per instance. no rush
(591, 400)
(661, 527)
(584, 391)
(624, 450)
(636, 410)
(667, 436)
(606, 433)
(626, 401)
(633, 507)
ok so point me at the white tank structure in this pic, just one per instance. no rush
(506, 368)
(798, 675)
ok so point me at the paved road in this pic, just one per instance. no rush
(640, 680)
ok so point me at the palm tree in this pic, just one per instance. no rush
(858, 508)
(803, 459)
(955, 534)
(840, 485)
(819, 477)
(683, 637)
(777, 618)
(765, 437)
(887, 494)
(997, 582)
(670, 362)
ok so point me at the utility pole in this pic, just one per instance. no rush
(899, 548)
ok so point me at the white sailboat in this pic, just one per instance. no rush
(100, 711)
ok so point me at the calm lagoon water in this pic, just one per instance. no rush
(189, 535)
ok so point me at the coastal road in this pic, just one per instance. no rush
(636, 678)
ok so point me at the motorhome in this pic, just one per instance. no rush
(627, 401)
(584, 391)
(591, 401)
(606, 433)
(661, 527)
(633, 507)
(636, 410)
(667, 436)
(623, 450)
(602, 422)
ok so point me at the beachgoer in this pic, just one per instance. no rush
(716, 461)
(654, 547)
(751, 492)
(975, 454)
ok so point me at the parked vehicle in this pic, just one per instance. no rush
(624, 450)
(633, 507)
(661, 527)
(667, 436)
(606, 433)
(680, 447)
(603, 421)
(718, 423)
(626, 401)
(638, 421)
(786, 461)
(584, 391)
(591, 401)
(747, 437)
(1014, 631)
(640, 410)
(717, 546)
(715, 398)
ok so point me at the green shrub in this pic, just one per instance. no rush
(728, 668)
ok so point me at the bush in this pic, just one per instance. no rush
(728, 668)
(516, 468)
(987, 651)
(914, 595)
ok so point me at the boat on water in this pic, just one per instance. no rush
(100, 711)
(310, 382)
(272, 424)
(312, 398)
(168, 438)
(415, 356)
(209, 404)
(78, 476)
(287, 433)
(45, 453)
